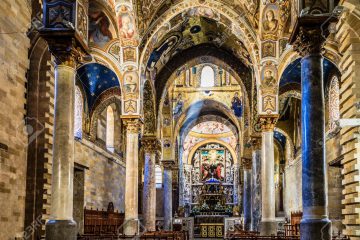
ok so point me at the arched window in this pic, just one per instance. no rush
(110, 129)
(79, 108)
(334, 103)
(207, 77)
(158, 176)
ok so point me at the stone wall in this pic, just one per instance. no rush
(104, 176)
(292, 187)
(14, 45)
(348, 37)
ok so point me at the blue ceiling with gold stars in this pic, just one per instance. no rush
(280, 138)
(292, 73)
(96, 79)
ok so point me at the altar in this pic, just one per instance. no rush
(212, 190)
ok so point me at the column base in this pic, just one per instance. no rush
(268, 228)
(61, 230)
(315, 229)
(131, 227)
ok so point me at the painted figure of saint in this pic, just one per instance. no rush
(99, 32)
(270, 24)
(237, 105)
(179, 106)
(126, 26)
(269, 79)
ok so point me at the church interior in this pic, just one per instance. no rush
(180, 119)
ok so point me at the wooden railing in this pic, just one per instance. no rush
(162, 235)
(102, 222)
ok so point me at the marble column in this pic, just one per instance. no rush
(247, 193)
(315, 223)
(61, 224)
(268, 221)
(131, 223)
(167, 181)
(256, 185)
(151, 146)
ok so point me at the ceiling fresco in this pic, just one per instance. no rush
(95, 80)
(196, 29)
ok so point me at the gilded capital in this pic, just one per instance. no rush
(151, 144)
(132, 125)
(268, 122)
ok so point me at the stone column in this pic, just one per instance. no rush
(247, 193)
(256, 185)
(167, 181)
(61, 224)
(315, 223)
(268, 221)
(132, 126)
(151, 146)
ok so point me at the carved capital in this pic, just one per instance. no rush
(268, 122)
(132, 125)
(309, 41)
(151, 144)
(247, 163)
(168, 164)
(310, 33)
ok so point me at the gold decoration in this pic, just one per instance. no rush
(268, 122)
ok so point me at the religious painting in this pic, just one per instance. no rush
(212, 164)
(100, 29)
(269, 77)
(237, 105)
(131, 84)
(268, 49)
(127, 25)
(178, 108)
(203, 12)
(163, 52)
(270, 22)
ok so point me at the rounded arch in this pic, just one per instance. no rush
(207, 59)
(185, 129)
(228, 18)
(78, 113)
(290, 149)
(207, 78)
(99, 109)
(110, 129)
(203, 108)
(202, 143)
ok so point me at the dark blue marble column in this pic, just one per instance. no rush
(247, 194)
(315, 223)
(256, 190)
